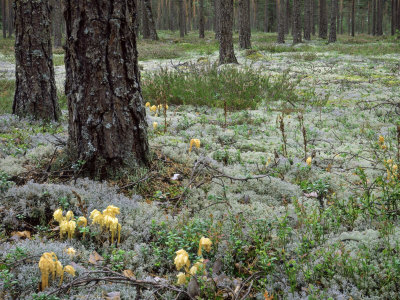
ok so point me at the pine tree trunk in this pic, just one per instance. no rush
(314, 11)
(201, 19)
(393, 17)
(374, 17)
(379, 18)
(334, 12)
(35, 94)
(150, 20)
(296, 32)
(226, 51)
(353, 17)
(244, 24)
(145, 21)
(217, 21)
(10, 18)
(57, 23)
(323, 21)
(4, 18)
(266, 15)
(307, 20)
(287, 16)
(181, 19)
(107, 118)
(280, 12)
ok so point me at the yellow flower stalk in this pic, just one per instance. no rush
(63, 228)
(58, 215)
(69, 215)
(82, 222)
(71, 225)
(195, 142)
(198, 266)
(153, 108)
(155, 125)
(309, 161)
(111, 210)
(148, 104)
(381, 139)
(71, 252)
(48, 264)
(181, 259)
(182, 279)
(204, 243)
(96, 217)
(67, 269)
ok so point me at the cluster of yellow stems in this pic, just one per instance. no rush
(194, 142)
(49, 264)
(154, 108)
(182, 260)
(108, 220)
(67, 224)
(381, 142)
(391, 169)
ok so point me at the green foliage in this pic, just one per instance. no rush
(4, 183)
(7, 88)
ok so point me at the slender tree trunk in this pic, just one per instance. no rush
(10, 18)
(57, 23)
(379, 18)
(353, 17)
(296, 32)
(107, 119)
(288, 16)
(145, 21)
(4, 17)
(323, 22)
(150, 20)
(201, 19)
(181, 19)
(341, 16)
(280, 13)
(314, 11)
(398, 17)
(307, 20)
(369, 18)
(332, 31)
(244, 24)
(374, 17)
(35, 94)
(393, 17)
(337, 16)
(216, 19)
(226, 51)
(266, 15)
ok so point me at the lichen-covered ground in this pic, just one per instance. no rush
(324, 230)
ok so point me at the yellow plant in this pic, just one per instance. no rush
(108, 220)
(66, 224)
(182, 259)
(71, 252)
(309, 161)
(153, 108)
(148, 104)
(204, 243)
(155, 125)
(195, 142)
(182, 278)
(49, 264)
(82, 222)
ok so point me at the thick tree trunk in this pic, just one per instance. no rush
(57, 23)
(323, 21)
(201, 19)
(266, 16)
(4, 17)
(226, 51)
(332, 30)
(107, 118)
(296, 32)
(307, 20)
(353, 17)
(35, 94)
(280, 13)
(150, 20)
(181, 19)
(244, 24)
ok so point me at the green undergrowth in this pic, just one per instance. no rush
(7, 88)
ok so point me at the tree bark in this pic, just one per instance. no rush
(296, 32)
(57, 23)
(10, 18)
(393, 17)
(145, 21)
(307, 20)
(266, 16)
(107, 118)
(288, 15)
(35, 94)
(332, 30)
(374, 17)
(217, 21)
(244, 24)
(4, 17)
(226, 51)
(353, 17)
(280, 12)
(201, 19)
(314, 11)
(323, 22)
(150, 20)
(181, 19)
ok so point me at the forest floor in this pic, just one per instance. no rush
(295, 181)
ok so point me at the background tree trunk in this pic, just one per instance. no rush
(353, 17)
(226, 51)
(4, 18)
(150, 20)
(244, 24)
(374, 17)
(181, 19)
(107, 119)
(314, 9)
(296, 32)
(307, 20)
(280, 12)
(332, 30)
(201, 19)
(10, 18)
(35, 94)
(145, 21)
(217, 20)
(323, 22)
(379, 17)
(266, 16)
(288, 15)
(57, 23)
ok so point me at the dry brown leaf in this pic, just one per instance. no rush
(128, 273)
(16, 235)
(113, 296)
(95, 258)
